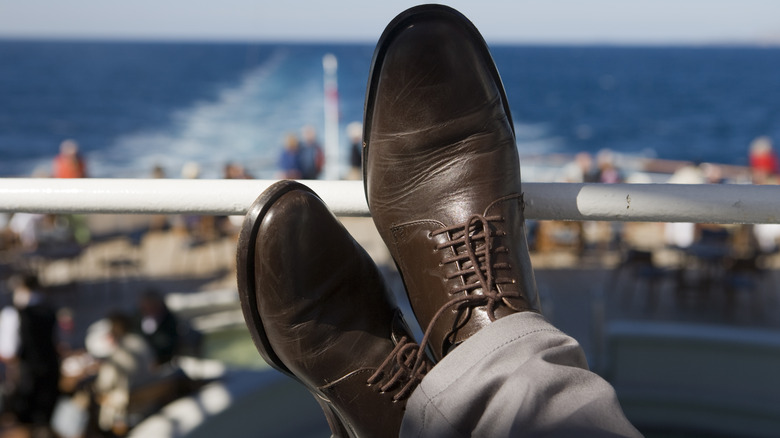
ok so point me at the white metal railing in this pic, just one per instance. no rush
(722, 203)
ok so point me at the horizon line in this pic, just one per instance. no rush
(365, 42)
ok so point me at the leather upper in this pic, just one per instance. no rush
(439, 149)
(325, 314)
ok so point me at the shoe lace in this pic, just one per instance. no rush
(474, 246)
(405, 364)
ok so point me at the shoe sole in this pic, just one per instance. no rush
(247, 291)
(399, 23)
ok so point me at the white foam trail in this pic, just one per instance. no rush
(536, 139)
(245, 123)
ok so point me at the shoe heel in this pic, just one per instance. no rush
(337, 428)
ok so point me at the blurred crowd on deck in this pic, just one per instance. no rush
(53, 385)
(708, 260)
(125, 351)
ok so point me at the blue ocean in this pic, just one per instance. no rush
(132, 106)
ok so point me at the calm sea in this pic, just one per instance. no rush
(132, 106)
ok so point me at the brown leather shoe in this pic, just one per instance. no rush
(318, 311)
(442, 175)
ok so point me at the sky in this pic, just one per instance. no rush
(654, 22)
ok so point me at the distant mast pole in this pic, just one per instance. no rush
(332, 160)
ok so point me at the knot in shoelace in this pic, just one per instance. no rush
(405, 365)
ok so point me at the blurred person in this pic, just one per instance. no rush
(679, 235)
(38, 231)
(7, 237)
(580, 170)
(682, 235)
(767, 237)
(228, 225)
(65, 228)
(190, 170)
(688, 174)
(69, 163)
(9, 346)
(28, 347)
(129, 362)
(66, 326)
(9, 333)
(763, 161)
(235, 171)
(199, 228)
(27, 227)
(32, 228)
(713, 174)
(355, 135)
(311, 157)
(158, 172)
(159, 326)
(289, 159)
(608, 172)
(160, 221)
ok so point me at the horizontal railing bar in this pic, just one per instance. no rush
(710, 203)
(160, 196)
